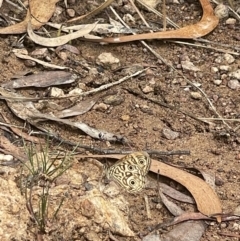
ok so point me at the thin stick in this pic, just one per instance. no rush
(149, 216)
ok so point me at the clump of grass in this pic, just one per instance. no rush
(41, 170)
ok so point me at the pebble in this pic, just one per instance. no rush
(71, 12)
(169, 134)
(217, 81)
(7, 158)
(231, 21)
(30, 63)
(221, 11)
(56, 92)
(125, 117)
(147, 89)
(188, 65)
(226, 68)
(235, 227)
(128, 18)
(196, 95)
(234, 84)
(235, 74)
(229, 58)
(219, 60)
(113, 100)
(100, 107)
(75, 91)
(152, 3)
(107, 60)
(214, 69)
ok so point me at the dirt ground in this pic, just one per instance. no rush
(214, 146)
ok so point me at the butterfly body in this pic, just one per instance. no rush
(130, 171)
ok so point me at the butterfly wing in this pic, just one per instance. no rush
(130, 171)
(127, 176)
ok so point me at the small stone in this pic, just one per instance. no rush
(235, 74)
(169, 134)
(234, 84)
(128, 18)
(125, 117)
(63, 55)
(56, 92)
(42, 52)
(101, 107)
(152, 3)
(113, 100)
(217, 81)
(6, 158)
(214, 69)
(221, 11)
(219, 60)
(189, 66)
(107, 60)
(231, 21)
(196, 95)
(223, 225)
(87, 208)
(225, 68)
(235, 227)
(71, 12)
(29, 63)
(147, 89)
(75, 91)
(229, 58)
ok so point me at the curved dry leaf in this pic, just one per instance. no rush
(208, 22)
(43, 79)
(41, 11)
(53, 42)
(207, 200)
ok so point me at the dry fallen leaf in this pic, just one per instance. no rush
(208, 22)
(53, 42)
(42, 79)
(41, 11)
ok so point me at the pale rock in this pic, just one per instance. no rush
(234, 84)
(229, 58)
(128, 18)
(107, 60)
(221, 11)
(152, 3)
(235, 74)
(214, 69)
(100, 107)
(71, 12)
(231, 21)
(196, 95)
(147, 89)
(56, 92)
(217, 81)
(169, 134)
(125, 117)
(189, 66)
(225, 68)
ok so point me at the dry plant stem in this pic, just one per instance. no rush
(203, 46)
(165, 105)
(139, 13)
(169, 21)
(92, 13)
(149, 216)
(164, 16)
(14, 5)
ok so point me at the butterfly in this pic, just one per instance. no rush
(130, 171)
